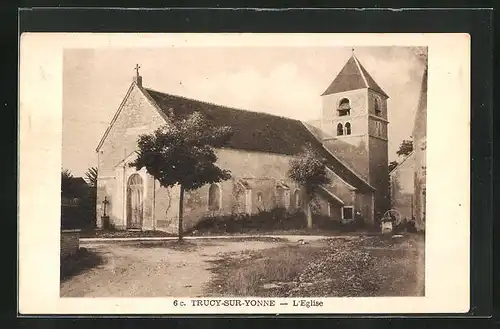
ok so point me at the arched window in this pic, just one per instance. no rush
(296, 199)
(135, 196)
(214, 197)
(344, 107)
(376, 106)
(340, 129)
(260, 202)
(347, 128)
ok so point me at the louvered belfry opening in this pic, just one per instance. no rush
(344, 107)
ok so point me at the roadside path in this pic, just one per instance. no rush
(291, 238)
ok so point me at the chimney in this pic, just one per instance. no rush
(138, 80)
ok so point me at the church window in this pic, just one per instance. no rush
(214, 197)
(347, 213)
(347, 128)
(344, 107)
(260, 202)
(378, 128)
(340, 130)
(296, 198)
(331, 208)
(376, 106)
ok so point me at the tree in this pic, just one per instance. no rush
(182, 153)
(405, 148)
(308, 170)
(91, 175)
(392, 165)
(91, 199)
(66, 183)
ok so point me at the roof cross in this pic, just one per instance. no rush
(136, 68)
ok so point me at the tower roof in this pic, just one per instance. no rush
(353, 76)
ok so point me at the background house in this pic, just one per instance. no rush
(408, 179)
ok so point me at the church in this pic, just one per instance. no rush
(351, 136)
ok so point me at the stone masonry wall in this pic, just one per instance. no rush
(262, 170)
(138, 116)
(70, 242)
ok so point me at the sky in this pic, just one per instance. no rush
(285, 81)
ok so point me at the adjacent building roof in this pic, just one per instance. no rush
(410, 156)
(333, 196)
(420, 124)
(353, 76)
(256, 131)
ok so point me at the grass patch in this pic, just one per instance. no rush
(182, 245)
(235, 238)
(123, 234)
(247, 274)
(194, 245)
(360, 267)
(81, 261)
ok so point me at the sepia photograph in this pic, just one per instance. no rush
(263, 172)
(244, 173)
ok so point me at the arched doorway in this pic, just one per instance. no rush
(135, 199)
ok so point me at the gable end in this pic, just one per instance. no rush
(124, 101)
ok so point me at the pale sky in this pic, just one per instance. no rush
(285, 81)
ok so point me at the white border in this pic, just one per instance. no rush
(447, 237)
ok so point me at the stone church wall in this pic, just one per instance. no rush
(402, 187)
(262, 170)
(138, 116)
(379, 174)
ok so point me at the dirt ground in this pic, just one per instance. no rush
(155, 269)
(165, 268)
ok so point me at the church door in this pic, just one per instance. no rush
(134, 202)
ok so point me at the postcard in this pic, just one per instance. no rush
(244, 173)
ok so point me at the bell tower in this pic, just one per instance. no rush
(354, 120)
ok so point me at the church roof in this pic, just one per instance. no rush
(256, 131)
(353, 76)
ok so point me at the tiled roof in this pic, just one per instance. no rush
(256, 131)
(353, 76)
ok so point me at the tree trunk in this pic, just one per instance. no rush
(309, 213)
(181, 208)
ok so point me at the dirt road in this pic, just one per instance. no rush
(154, 269)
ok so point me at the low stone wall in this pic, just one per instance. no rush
(70, 242)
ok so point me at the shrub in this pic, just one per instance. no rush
(325, 223)
(275, 219)
(80, 212)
